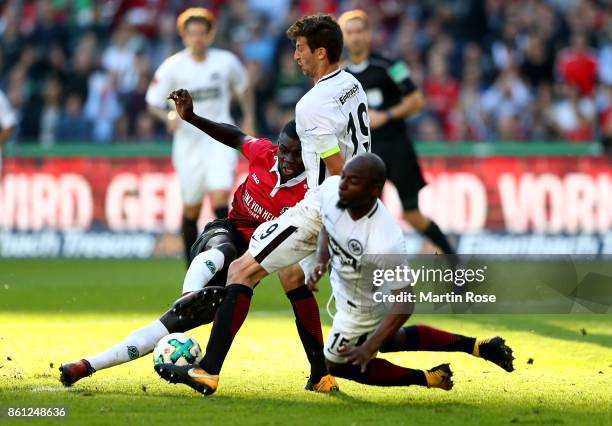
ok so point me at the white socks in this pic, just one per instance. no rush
(142, 341)
(203, 267)
(137, 344)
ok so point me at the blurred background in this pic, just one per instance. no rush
(515, 138)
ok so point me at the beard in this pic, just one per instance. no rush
(341, 205)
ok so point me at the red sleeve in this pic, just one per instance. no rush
(253, 147)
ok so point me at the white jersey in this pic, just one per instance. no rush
(333, 114)
(353, 243)
(210, 83)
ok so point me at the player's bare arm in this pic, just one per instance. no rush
(320, 267)
(334, 163)
(227, 134)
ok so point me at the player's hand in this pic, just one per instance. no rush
(357, 355)
(184, 103)
(315, 275)
(377, 118)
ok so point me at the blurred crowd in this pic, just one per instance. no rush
(491, 70)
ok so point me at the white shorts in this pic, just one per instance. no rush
(289, 238)
(348, 330)
(202, 165)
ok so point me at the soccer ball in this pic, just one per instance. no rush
(178, 349)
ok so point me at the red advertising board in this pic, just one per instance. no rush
(550, 195)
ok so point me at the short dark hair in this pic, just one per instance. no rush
(290, 130)
(320, 30)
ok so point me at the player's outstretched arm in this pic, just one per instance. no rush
(361, 355)
(322, 260)
(227, 134)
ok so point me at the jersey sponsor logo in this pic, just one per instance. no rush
(351, 92)
(355, 247)
(254, 209)
(206, 93)
(215, 76)
(345, 257)
(311, 129)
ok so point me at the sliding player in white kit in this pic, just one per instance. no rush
(332, 123)
(211, 76)
(360, 236)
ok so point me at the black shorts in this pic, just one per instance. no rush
(403, 169)
(212, 229)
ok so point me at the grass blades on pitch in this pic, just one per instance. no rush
(54, 311)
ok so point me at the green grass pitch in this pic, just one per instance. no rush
(60, 310)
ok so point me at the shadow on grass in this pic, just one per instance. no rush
(414, 406)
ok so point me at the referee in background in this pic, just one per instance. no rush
(392, 96)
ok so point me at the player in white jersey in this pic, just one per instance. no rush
(360, 236)
(332, 123)
(8, 120)
(212, 76)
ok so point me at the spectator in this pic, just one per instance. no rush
(441, 91)
(50, 112)
(507, 100)
(537, 66)
(505, 54)
(145, 128)
(574, 114)
(102, 107)
(428, 129)
(119, 58)
(543, 123)
(134, 101)
(72, 125)
(82, 66)
(260, 46)
(577, 65)
(289, 82)
(605, 63)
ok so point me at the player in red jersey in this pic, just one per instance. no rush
(275, 182)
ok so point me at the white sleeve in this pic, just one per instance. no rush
(238, 75)
(317, 128)
(329, 188)
(161, 86)
(390, 256)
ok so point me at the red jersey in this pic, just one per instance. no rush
(262, 197)
(579, 69)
